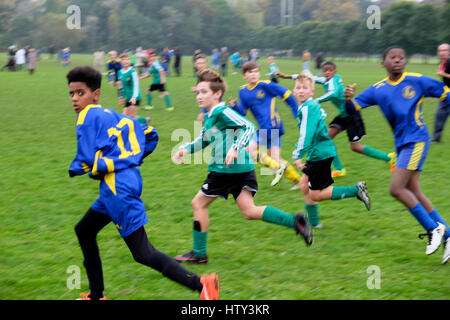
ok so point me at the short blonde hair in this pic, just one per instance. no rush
(306, 76)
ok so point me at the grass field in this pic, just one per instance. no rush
(40, 205)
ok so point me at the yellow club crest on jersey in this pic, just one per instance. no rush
(408, 92)
(261, 94)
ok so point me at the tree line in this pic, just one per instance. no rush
(207, 24)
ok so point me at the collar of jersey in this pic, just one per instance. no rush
(82, 114)
(210, 112)
(404, 74)
(256, 84)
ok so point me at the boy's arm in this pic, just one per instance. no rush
(198, 144)
(363, 100)
(86, 150)
(331, 93)
(308, 119)
(435, 88)
(233, 120)
(279, 91)
(135, 85)
(240, 108)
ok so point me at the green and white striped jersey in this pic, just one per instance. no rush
(223, 129)
(130, 83)
(314, 140)
(334, 92)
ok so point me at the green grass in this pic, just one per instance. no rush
(40, 205)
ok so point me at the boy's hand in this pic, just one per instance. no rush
(349, 92)
(133, 101)
(232, 102)
(231, 156)
(282, 75)
(122, 101)
(299, 164)
(177, 157)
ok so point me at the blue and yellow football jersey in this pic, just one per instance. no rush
(261, 100)
(109, 142)
(401, 103)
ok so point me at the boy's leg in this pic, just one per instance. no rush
(312, 207)
(143, 252)
(167, 100)
(339, 171)
(87, 230)
(414, 186)
(198, 254)
(441, 116)
(289, 171)
(149, 105)
(250, 211)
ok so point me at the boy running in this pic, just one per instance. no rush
(260, 97)
(230, 170)
(113, 66)
(400, 98)
(334, 87)
(320, 150)
(110, 147)
(130, 88)
(159, 80)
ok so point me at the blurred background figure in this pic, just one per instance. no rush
(177, 62)
(99, 62)
(11, 62)
(306, 57)
(32, 60)
(20, 58)
(140, 64)
(443, 109)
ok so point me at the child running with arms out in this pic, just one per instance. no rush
(400, 97)
(110, 147)
(353, 124)
(231, 169)
(320, 150)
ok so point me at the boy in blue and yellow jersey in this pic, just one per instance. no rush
(353, 124)
(260, 97)
(113, 66)
(110, 147)
(320, 150)
(400, 97)
(231, 169)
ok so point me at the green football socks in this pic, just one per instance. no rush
(339, 193)
(313, 214)
(374, 153)
(199, 242)
(273, 215)
(167, 100)
(337, 163)
(149, 99)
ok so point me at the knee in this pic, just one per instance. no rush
(395, 191)
(355, 147)
(315, 196)
(248, 213)
(196, 205)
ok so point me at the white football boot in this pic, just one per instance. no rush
(446, 256)
(434, 238)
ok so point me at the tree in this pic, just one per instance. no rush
(48, 31)
(393, 21)
(423, 40)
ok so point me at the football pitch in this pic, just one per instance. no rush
(356, 255)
